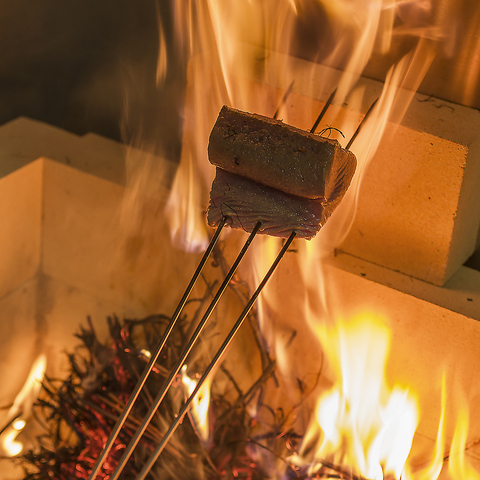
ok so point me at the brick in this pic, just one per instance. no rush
(430, 326)
(418, 207)
(67, 224)
(23, 140)
(21, 218)
(18, 315)
(89, 244)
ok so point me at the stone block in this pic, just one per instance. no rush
(21, 220)
(90, 245)
(103, 157)
(68, 224)
(417, 209)
(42, 316)
(431, 329)
(23, 140)
(21, 339)
(67, 254)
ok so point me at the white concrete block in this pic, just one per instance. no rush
(21, 335)
(21, 220)
(418, 208)
(431, 332)
(67, 224)
(103, 157)
(23, 140)
(88, 245)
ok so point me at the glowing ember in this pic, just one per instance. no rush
(20, 411)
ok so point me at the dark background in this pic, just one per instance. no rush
(86, 65)
(90, 65)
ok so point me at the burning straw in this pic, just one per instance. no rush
(79, 412)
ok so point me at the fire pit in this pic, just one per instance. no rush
(380, 302)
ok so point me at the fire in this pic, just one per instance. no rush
(459, 466)
(240, 53)
(200, 405)
(360, 423)
(21, 409)
(364, 427)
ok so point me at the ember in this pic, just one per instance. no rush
(80, 412)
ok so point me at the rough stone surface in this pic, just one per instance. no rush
(23, 140)
(20, 217)
(418, 207)
(443, 229)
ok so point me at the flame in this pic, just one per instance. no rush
(20, 411)
(223, 41)
(240, 53)
(200, 405)
(433, 468)
(245, 54)
(459, 466)
(162, 63)
(360, 423)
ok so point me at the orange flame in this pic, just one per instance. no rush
(459, 465)
(360, 423)
(239, 53)
(20, 411)
(200, 406)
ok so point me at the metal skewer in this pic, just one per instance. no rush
(148, 369)
(283, 101)
(218, 356)
(357, 131)
(324, 111)
(141, 382)
(161, 395)
(216, 359)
